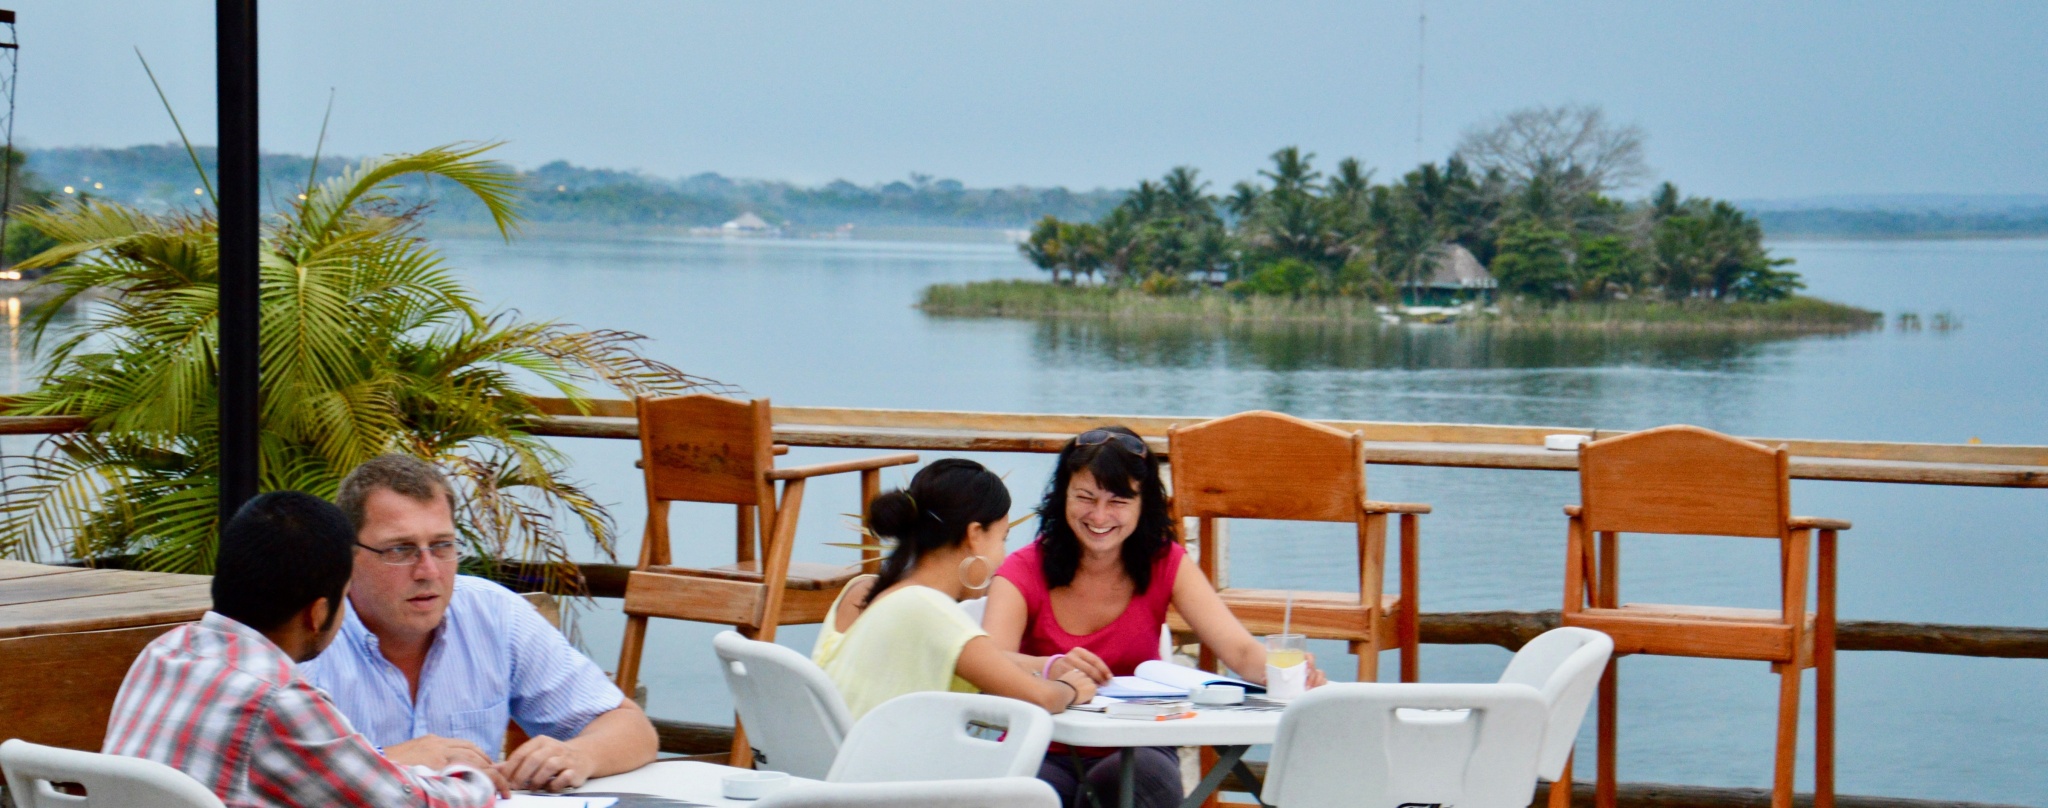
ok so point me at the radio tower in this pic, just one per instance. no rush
(1421, 41)
(10, 50)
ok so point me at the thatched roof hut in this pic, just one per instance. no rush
(1456, 268)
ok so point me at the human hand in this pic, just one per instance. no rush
(1315, 675)
(437, 753)
(1084, 687)
(1083, 660)
(546, 764)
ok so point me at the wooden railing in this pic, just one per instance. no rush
(1391, 443)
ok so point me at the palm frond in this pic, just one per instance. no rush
(494, 183)
(370, 344)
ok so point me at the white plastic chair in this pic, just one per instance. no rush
(944, 736)
(794, 716)
(1003, 792)
(1564, 664)
(1467, 745)
(111, 781)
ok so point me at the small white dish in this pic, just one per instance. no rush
(752, 785)
(1564, 443)
(1218, 694)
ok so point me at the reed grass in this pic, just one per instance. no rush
(1026, 299)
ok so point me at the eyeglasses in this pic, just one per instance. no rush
(406, 555)
(1129, 443)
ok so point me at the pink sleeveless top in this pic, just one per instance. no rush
(1131, 638)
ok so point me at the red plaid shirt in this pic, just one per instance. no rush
(221, 703)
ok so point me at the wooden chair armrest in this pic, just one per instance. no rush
(1573, 510)
(1818, 523)
(863, 464)
(1372, 506)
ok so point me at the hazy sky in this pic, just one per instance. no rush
(1740, 99)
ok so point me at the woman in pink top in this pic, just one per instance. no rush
(1092, 592)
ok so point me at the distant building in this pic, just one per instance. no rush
(749, 225)
(1455, 277)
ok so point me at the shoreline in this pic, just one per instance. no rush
(944, 233)
(1039, 300)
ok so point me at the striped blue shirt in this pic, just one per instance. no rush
(494, 658)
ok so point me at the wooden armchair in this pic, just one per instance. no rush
(1691, 481)
(1266, 465)
(703, 448)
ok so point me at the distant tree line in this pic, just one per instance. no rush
(1528, 195)
(1844, 223)
(159, 177)
(1569, 155)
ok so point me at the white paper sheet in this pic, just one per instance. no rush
(555, 801)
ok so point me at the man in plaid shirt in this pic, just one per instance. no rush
(223, 701)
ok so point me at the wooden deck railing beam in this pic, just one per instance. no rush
(1394, 443)
(1407, 444)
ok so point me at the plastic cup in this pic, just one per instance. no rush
(1286, 666)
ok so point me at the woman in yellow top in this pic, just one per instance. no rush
(903, 631)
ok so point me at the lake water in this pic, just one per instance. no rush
(831, 323)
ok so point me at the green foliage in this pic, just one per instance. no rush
(24, 242)
(1287, 276)
(1710, 248)
(1547, 235)
(1608, 267)
(369, 345)
(1531, 258)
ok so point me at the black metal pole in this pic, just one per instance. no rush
(235, 46)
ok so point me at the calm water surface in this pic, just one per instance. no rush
(832, 324)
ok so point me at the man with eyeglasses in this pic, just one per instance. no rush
(226, 700)
(431, 665)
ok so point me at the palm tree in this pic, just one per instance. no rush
(1185, 194)
(1147, 201)
(1292, 172)
(1351, 181)
(1043, 248)
(1243, 200)
(369, 345)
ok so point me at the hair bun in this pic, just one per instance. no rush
(892, 514)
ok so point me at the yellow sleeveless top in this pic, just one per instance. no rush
(908, 641)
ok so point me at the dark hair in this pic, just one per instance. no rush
(281, 552)
(1123, 473)
(933, 514)
(400, 474)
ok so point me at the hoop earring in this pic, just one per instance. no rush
(990, 578)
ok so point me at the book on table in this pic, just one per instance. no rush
(1164, 680)
(1150, 709)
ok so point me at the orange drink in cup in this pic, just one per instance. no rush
(1286, 666)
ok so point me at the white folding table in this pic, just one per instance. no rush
(1231, 732)
(686, 780)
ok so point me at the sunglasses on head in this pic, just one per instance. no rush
(1129, 443)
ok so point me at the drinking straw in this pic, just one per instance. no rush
(1287, 617)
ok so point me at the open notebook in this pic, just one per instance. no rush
(1157, 679)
